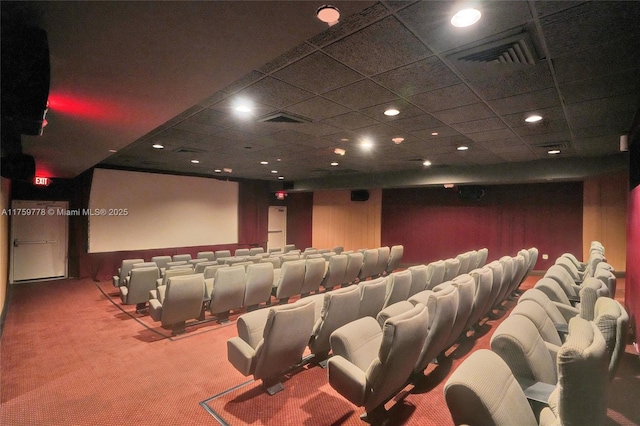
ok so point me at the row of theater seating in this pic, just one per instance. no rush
(548, 353)
(222, 287)
(372, 359)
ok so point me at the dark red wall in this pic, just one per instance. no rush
(435, 223)
(299, 218)
(632, 277)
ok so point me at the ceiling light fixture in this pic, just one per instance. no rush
(157, 146)
(448, 185)
(344, 140)
(274, 171)
(434, 133)
(339, 151)
(533, 119)
(195, 161)
(462, 148)
(391, 112)
(218, 171)
(465, 18)
(113, 150)
(426, 163)
(264, 163)
(397, 140)
(281, 177)
(227, 170)
(553, 151)
(334, 163)
(367, 144)
(328, 14)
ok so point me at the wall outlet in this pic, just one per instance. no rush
(545, 256)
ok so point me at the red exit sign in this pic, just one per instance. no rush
(41, 181)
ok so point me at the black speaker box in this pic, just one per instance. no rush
(18, 167)
(359, 195)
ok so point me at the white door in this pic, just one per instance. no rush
(277, 227)
(38, 240)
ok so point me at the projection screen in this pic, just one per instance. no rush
(140, 211)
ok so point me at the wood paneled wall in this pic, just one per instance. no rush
(338, 221)
(4, 243)
(605, 216)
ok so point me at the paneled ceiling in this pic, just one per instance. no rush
(313, 88)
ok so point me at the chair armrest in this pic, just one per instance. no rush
(153, 294)
(563, 330)
(158, 282)
(115, 281)
(349, 380)
(162, 292)
(241, 355)
(536, 391)
(155, 309)
(393, 310)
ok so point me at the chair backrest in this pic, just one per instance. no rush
(608, 278)
(175, 273)
(395, 257)
(181, 257)
(126, 267)
(465, 259)
(372, 296)
(313, 274)
(613, 322)
(442, 307)
(209, 255)
(210, 271)
(291, 278)
(289, 247)
(538, 316)
(564, 279)
(591, 289)
(419, 275)
(466, 291)
(161, 261)
(285, 336)
(275, 261)
(145, 265)
(533, 259)
(403, 336)
(173, 264)
(336, 269)
(242, 252)
(201, 266)
(436, 276)
(520, 265)
(483, 278)
(222, 253)
(255, 251)
(259, 281)
(369, 264)
(452, 266)
(570, 267)
(507, 277)
(550, 307)
(383, 260)
(228, 289)
(339, 307)
(141, 282)
(183, 299)
(337, 249)
(483, 391)
(497, 269)
(483, 253)
(520, 345)
(398, 287)
(288, 258)
(553, 290)
(580, 394)
(353, 267)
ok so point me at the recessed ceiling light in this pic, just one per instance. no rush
(281, 177)
(245, 109)
(448, 185)
(553, 151)
(195, 161)
(339, 151)
(533, 119)
(112, 150)
(328, 14)
(334, 163)
(462, 148)
(157, 146)
(218, 171)
(274, 171)
(391, 112)
(434, 133)
(397, 140)
(366, 144)
(278, 159)
(426, 163)
(264, 163)
(344, 140)
(465, 18)
(227, 170)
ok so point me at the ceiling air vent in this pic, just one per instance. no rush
(553, 145)
(283, 117)
(190, 151)
(516, 49)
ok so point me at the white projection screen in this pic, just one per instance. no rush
(141, 211)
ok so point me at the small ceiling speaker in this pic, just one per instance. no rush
(624, 143)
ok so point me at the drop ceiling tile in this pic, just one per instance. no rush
(244, 81)
(318, 108)
(495, 81)
(422, 76)
(490, 135)
(283, 60)
(542, 127)
(417, 123)
(317, 73)
(349, 24)
(378, 132)
(350, 121)
(464, 114)
(316, 129)
(601, 87)
(601, 145)
(381, 46)
(213, 117)
(273, 92)
(196, 127)
(546, 98)
(289, 136)
(361, 94)
(445, 98)
(548, 138)
(500, 145)
(477, 126)
(406, 110)
(182, 116)
(236, 135)
(547, 114)
(442, 131)
(175, 134)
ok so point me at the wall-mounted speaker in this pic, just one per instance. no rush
(359, 195)
(471, 193)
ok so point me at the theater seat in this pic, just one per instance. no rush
(369, 264)
(354, 265)
(395, 257)
(209, 255)
(161, 261)
(181, 257)
(437, 269)
(452, 266)
(138, 285)
(288, 281)
(370, 365)
(383, 261)
(179, 301)
(259, 281)
(398, 287)
(419, 277)
(228, 291)
(336, 269)
(123, 271)
(271, 340)
(372, 296)
(613, 322)
(313, 275)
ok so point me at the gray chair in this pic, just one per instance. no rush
(313, 275)
(395, 257)
(137, 286)
(123, 271)
(466, 291)
(289, 247)
(228, 291)
(398, 287)
(275, 261)
(259, 281)
(242, 252)
(383, 261)
(256, 251)
(465, 259)
(161, 261)
(419, 277)
(219, 254)
(370, 365)
(201, 266)
(497, 271)
(483, 254)
(173, 273)
(483, 278)
(369, 264)
(178, 302)
(613, 322)
(336, 268)
(373, 293)
(435, 276)
(270, 341)
(354, 265)
(452, 266)
(181, 257)
(209, 255)
(288, 281)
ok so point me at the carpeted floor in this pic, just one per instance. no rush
(69, 356)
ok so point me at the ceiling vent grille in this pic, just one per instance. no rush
(190, 151)
(553, 145)
(516, 49)
(283, 117)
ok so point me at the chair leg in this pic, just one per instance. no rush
(141, 308)
(178, 328)
(272, 385)
(377, 416)
(223, 317)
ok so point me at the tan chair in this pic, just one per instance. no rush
(254, 251)
(161, 261)
(288, 281)
(209, 255)
(483, 278)
(398, 287)
(313, 275)
(137, 286)
(466, 286)
(419, 277)
(483, 254)
(123, 271)
(228, 291)
(178, 302)
(270, 341)
(435, 276)
(181, 257)
(383, 261)
(395, 257)
(336, 269)
(221, 254)
(242, 252)
(259, 281)
(613, 322)
(372, 296)
(369, 264)
(354, 265)
(370, 365)
(452, 267)
(201, 266)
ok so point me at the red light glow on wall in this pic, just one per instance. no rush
(87, 108)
